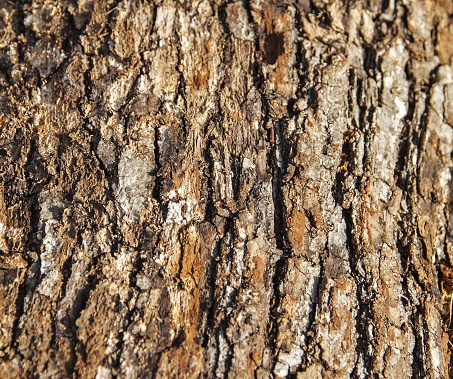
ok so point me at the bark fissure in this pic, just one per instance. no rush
(32, 246)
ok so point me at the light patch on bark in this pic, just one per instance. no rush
(133, 184)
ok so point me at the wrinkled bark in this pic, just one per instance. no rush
(243, 189)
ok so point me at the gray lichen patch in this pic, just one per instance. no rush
(134, 183)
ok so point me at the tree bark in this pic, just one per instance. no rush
(226, 189)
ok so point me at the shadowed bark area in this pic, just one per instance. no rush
(226, 189)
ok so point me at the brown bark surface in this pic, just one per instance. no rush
(226, 189)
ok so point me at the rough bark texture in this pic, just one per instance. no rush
(241, 189)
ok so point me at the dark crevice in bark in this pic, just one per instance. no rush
(181, 239)
(218, 316)
(400, 171)
(404, 21)
(416, 276)
(312, 98)
(223, 17)
(403, 246)
(418, 354)
(405, 175)
(379, 84)
(311, 341)
(366, 114)
(418, 367)
(19, 17)
(420, 135)
(210, 210)
(52, 342)
(369, 61)
(152, 28)
(348, 139)
(320, 13)
(229, 357)
(87, 87)
(217, 349)
(229, 306)
(302, 65)
(223, 325)
(154, 361)
(277, 196)
(127, 320)
(278, 164)
(211, 301)
(182, 81)
(418, 324)
(364, 312)
(236, 168)
(273, 47)
(284, 149)
(80, 303)
(23, 289)
(281, 268)
(159, 178)
(435, 33)
(278, 146)
(385, 5)
(154, 364)
(66, 270)
(280, 230)
(72, 37)
(251, 21)
(32, 247)
(424, 248)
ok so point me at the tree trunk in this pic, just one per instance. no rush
(214, 189)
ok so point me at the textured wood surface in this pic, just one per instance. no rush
(241, 189)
